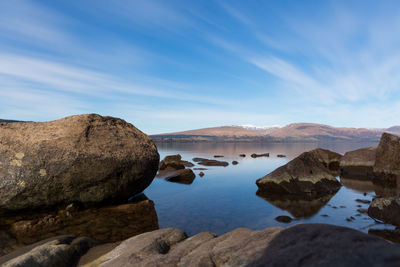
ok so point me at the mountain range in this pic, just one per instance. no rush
(295, 132)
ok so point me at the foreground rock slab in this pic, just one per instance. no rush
(358, 163)
(387, 162)
(386, 210)
(58, 251)
(86, 158)
(299, 245)
(304, 175)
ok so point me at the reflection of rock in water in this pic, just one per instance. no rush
(380, 189)
(391, 235)
(298, 207)
(105, 224)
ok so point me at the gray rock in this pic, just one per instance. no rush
(299, 245)
(86, 158)
(304, 175)
(358, 163)
(386, 210)
(58, 251)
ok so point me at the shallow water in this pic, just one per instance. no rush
(225, 198)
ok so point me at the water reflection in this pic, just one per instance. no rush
(298, 207)
(367, 186)
(104, 224)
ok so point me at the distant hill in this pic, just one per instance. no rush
(296, 132)
(1, 120)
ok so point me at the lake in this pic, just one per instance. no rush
(225, 198)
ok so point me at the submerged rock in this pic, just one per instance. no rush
(387, 163)
(284, 219)
(386, 210)
(58, 251)
(185, 176)
(105, 224)
(358, 163)
(304, 175)
(87, 158)
(210, 162)
(298, 245)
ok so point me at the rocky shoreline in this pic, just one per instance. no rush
(65, 185)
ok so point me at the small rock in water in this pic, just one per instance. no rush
(235, 162)
(201, 174)
(284, 219)
(254, 155)
(359, 206)
(200, 169)
(281, 156)
(242, 155)
(358, 215)
(334, 207)
(218, 156)
(365, 193)
(342, 207)
(364, 201)
(324, 215)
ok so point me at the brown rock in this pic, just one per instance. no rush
(210, 162)
(298, 245)
(387, 163)
(254, 155)
(304, 175)
(242, 155)
(235, 162)
(329, 158)
(174, 162)
(386, 210)
(281, 156)
(86, 158)
(358, 163)
(284, 219)
(182, 176)
(201, 174)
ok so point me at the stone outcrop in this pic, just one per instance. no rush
(88, 159)
(329, 158)
(58, 251)
(304, 175)
(387, 162)
(298, 245)
(358, 164)
(386, 210)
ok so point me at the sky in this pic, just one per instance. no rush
(167, 66)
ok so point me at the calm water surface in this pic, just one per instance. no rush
(225, 198)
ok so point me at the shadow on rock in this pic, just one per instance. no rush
(298, 207)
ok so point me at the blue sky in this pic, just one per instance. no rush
(175, 65)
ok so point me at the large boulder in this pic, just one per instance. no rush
(358, 163)
(386, 210)
(304, 175)
(387, 163)
(58, 251)
(329, 158)
(299, 245)
(85, 158)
